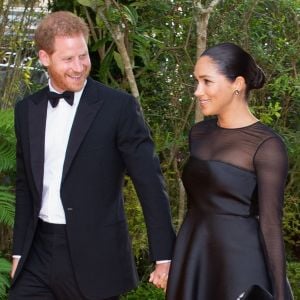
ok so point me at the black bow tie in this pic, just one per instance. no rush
(54, 97)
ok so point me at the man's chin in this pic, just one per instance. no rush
(76, 87)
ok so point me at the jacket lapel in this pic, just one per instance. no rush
(37, 113)
(88, 107)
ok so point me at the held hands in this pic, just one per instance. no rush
(159, 277)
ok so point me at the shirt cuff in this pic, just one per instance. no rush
(158, 262)
(16, 256)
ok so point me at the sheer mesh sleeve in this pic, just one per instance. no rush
(271, 166)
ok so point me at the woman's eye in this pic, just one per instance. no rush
(206, 81)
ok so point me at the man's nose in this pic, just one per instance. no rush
(78, 65)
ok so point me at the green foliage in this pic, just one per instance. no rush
(136, 221)
(7, 141)
(291, 220)
(7, 206)
(137, 230)
(292, 141)
(19, 70)
(267, 114)
(285, 88)
(7, 199)
(145, 291)
(114, 15)
(90, 3)
(291, 226)
(293, 273)
(5, 267)
(130, 14)
(104, 70)
(7, 166)
(119, 61)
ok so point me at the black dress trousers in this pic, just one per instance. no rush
(48, 273)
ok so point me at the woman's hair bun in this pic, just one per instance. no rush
(258, 80)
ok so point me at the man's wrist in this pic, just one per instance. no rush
(158, 262)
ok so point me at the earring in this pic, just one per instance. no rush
(236, 92)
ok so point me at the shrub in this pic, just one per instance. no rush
(294, 278)
(145, 291)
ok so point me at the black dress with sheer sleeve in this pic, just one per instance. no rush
(231, 237)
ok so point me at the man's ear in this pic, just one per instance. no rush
(44, 58)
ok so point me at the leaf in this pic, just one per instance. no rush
(85, 2)
(130, 14)
(105, 66)
(114, 15)
(100, 43)
(145, 39)
(91, 3)
(119, 61)
(99, 21)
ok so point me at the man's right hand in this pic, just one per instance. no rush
(15, 262)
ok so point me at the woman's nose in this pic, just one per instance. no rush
(199, 90)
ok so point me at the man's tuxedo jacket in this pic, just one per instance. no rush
(108, 138)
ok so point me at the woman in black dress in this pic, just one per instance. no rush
(231, 237)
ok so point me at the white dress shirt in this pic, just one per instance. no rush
(58, 127)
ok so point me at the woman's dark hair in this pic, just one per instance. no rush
(233, 61)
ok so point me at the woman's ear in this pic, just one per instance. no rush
(44, 58)
(239, 84)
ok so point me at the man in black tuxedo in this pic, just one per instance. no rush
(73, 149)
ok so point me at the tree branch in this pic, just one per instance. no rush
(118, 37)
